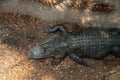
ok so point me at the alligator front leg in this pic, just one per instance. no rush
(58, 58)
(55, 28)
(76, 58)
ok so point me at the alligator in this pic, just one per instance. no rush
(92, 42)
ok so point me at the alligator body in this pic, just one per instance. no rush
(93, 43)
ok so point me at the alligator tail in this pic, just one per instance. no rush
(116, 51)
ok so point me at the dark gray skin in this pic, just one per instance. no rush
(93, 43)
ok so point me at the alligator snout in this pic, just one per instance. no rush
(36, 52)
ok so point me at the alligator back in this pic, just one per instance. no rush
(93, 40)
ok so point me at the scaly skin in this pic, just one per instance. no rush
(93, 43)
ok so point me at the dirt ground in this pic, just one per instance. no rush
(18, 33)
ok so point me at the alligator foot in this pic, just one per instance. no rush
(55, 28)
(77, 59)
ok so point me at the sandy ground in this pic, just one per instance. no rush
(18, 33)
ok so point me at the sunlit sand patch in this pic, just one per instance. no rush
(47, 77)
(13, 65)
